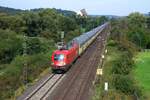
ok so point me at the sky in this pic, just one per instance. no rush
(93, 7)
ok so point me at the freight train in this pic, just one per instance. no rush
(61, 59)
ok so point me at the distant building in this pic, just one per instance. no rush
(82, 12)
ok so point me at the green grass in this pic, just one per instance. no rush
(142, 71)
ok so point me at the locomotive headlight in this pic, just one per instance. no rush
(64, 63)
(61, 57)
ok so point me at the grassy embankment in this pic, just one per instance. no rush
(113, 55)
(142, 72)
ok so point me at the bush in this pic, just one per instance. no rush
(12, 76)
(111, 43)
(123, 84)
(10, 46)
(122, 65)
(121, 69)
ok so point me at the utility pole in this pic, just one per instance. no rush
(61, 44)
(62, 36)
(25, 68)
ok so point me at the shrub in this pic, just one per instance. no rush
(119, 68)
(10, 46)
(12, 76)
(123, 84)
(111, 43)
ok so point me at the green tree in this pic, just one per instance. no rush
(10, 45)
(136, 20)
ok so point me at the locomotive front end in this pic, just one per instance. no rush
(59, 60)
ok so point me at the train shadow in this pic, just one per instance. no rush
(58, 71)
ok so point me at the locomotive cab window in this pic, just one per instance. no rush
(69, 45)
(58, 57)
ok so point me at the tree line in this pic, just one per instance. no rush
(134, 28)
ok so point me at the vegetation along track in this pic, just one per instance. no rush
(41, 91)
(77, 83)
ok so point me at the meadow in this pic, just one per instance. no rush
(142, 72)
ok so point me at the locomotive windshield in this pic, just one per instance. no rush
(58, 57)
(69, 45)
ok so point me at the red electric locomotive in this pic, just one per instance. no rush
(63, 58)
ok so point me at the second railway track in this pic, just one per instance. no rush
(43, 89)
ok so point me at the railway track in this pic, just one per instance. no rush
(42, 90)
